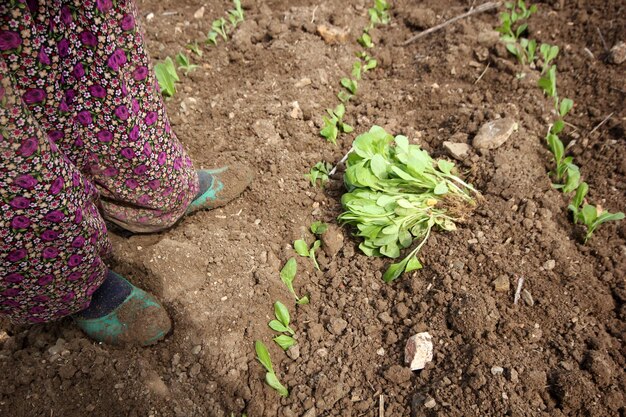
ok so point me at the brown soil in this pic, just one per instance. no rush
(217, 271)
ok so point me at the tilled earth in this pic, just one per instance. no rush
(259, 99)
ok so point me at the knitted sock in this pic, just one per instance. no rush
(111, 294)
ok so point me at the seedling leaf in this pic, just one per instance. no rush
(318, 228)
(273, 382)
(282, 313)
(301, 247)
(284, 341)
(264, 356)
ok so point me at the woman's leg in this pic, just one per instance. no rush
(52, 238)
(88, 81)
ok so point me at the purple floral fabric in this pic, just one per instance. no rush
(84, 136)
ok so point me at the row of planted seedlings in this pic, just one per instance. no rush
(319, 175)
(566, 174)
(166, 73)
(396, 195)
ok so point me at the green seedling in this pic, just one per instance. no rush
(211, 37)
(548, 54)
(319, 228)
(350, 85)
(281, 324)
(365, 40)
(219, 26)
(512, 21)
(302, 249)
(287, 275)
(379, 14)
(398, 193)
(270, 376)
(235, 16)
(547, 83)
(369, 63)
(565, 106)
(319, 172)
(184, 63)
(570, 172)
(357, 68)
(344, 96)
(195, 48)
(166, 76)
(593, 216)
(577, 201)
(334, 124)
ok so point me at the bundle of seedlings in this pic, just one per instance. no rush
(397, 194)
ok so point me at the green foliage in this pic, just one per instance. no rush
(577, 201)
(195, 48)
(319, 172)
(369, 63)
(379, 14)
(270, 376)
(211, 38)
(513, 20)
(184, 63)
(365, 40)
(281, 324)
(219, 26)
(592, 217)
(357, 68)
(547, 83)
(287, 276)
(319, 228)
(548, 54)
(236, 16)
(166, 77)
(398, 193)
(350, 85)
(333, 124)
(302, 249)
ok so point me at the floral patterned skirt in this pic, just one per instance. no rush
(84, 138)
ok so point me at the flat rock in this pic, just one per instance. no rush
(502, 284)
(333, 35)
(617, 54)
(418, 351)
(458, 151)
(494, 133)
(337, 325)
(488, 38)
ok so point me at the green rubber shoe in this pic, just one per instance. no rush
(220, 186)
(138, 320)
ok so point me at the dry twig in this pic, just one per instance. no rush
(381, 406)
(518, 291)
(482, 74)
(599, 125)
(482, 8)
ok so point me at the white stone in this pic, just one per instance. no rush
(419, 351)
(457, 150)
(493, 134)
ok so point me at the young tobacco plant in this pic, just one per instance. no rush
(195, 48)
(591, 216)
(398, 193)
(369, 63)
(318, 228)
(302, 249)
(184, 63)
(281, 324)
(512, 21)
(287, 275)
(166, 76)
(319, 174)
(236, 16)
(365, 40)
(333, 124)
(379, 14)
(270, 376)
(548, 54)
(350, 85)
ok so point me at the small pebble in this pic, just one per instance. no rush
(196, 349)
(497, 370)
(430, 402)
(549, 265)
(528, 298)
